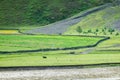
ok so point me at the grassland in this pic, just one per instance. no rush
(98, 23)
(58, 59)
(33, 42)
(113, 43)
(55, 58)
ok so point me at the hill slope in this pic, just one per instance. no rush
(42, 12)
(62, 26)
(99, 22)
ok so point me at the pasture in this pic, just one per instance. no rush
(55, 58)
(33, 42)
(59, 58)
(108, 51)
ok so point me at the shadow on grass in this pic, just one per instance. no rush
(19, 68)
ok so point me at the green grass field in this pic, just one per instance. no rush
(58, 59)
(106, 52)
(55, 58)
(32, 42)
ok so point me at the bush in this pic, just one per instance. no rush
(89, 31)
(72, 52)
(79, 29)
(111, 30)
(117, 34)
(97, 30)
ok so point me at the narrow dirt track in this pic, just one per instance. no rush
(107, 73)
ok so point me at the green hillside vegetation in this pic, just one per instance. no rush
(98, 23)
(41, 12)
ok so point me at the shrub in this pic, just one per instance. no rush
(72, 52)
(97, 30)
(104, 33)
(111, 30)
(95, 33)
(89, 31)
(103, 30)
(79, 29)
(117, 34)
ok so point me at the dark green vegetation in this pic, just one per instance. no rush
(41, 12)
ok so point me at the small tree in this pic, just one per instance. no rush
(117, 34)
(95, 33)
(79, 29)
(104, 33)
(97, 30)
(111, 30)
(105, 28)
(89, 31)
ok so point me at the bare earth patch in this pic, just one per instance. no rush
(107, 73)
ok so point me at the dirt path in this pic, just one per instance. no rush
(107, 73)
(88, 51)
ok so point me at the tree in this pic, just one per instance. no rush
(97, 30)
(89, 31)
(117, 34)
(103, 30)
(79, 29)
(111, 30)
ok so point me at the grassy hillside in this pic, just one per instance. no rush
(41, 12)
(104, 22)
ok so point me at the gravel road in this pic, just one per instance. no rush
(107, 73)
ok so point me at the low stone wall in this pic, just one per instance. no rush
(56, 49)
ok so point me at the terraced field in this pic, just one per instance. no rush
(97, 55)
(88, 39)
(59, 58)
(33, 42)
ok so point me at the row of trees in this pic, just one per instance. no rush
(104, 31)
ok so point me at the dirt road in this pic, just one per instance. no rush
(107, 73)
